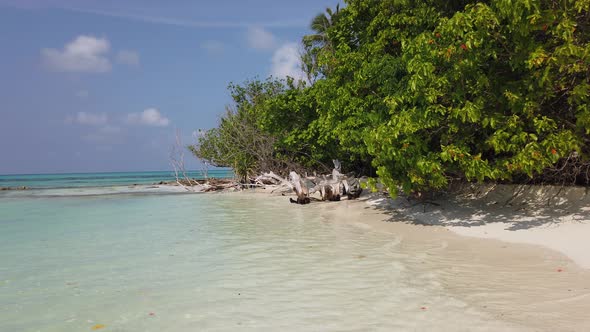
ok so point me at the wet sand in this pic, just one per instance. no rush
(519, 282)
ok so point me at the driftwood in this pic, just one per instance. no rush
(14, 188)
(177, 162)
(353, 188)
(201, 185)
(300, 188)
(331, 187)
(271, 178)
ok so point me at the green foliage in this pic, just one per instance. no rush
(238, 141)
(470, 90)
(422, 92)
(264, 130)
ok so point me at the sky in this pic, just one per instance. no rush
(105, 85)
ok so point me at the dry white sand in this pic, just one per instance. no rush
(531, 271)
(549, 216)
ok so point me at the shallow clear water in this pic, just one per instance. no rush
(221, 262)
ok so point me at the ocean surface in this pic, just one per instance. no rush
(77, 180)
(120, 261)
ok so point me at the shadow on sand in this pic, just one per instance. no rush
(518, 207)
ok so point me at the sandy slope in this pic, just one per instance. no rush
(554, 217)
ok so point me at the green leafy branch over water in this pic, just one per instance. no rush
(423, 92)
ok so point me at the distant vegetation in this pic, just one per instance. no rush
(420, 93)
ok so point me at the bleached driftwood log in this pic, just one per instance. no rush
(331, 187)
(271, 178)
(300, 188)
(354, 189)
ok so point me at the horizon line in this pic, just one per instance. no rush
(105, 172)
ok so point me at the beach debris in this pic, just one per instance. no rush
(559, 270)
(152, 313)
(353, 188)
(98, 327)
(300, 188)
(423, 308)
(271, 178)
(329, 193)
(331, 187)
(14, 188)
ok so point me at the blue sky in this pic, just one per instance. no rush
(90, 86)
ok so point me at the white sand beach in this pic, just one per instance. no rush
(531, 270)
(554, 217)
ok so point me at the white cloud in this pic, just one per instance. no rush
(149, 117)
(90, 119)
(260, 39)
(213, 46)
(83, 54)
(127, 57)
(286, 62)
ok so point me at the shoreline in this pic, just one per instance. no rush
(509, 213)
(515, 285)
(520, 280)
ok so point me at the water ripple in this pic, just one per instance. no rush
(215, 263)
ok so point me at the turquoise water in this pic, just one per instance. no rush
(213, 262)
(77, 180)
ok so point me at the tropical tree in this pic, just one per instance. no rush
(320, 25)
(317, 42)
(421, 93)
(261, 131)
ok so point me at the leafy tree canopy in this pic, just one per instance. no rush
(423, 92)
